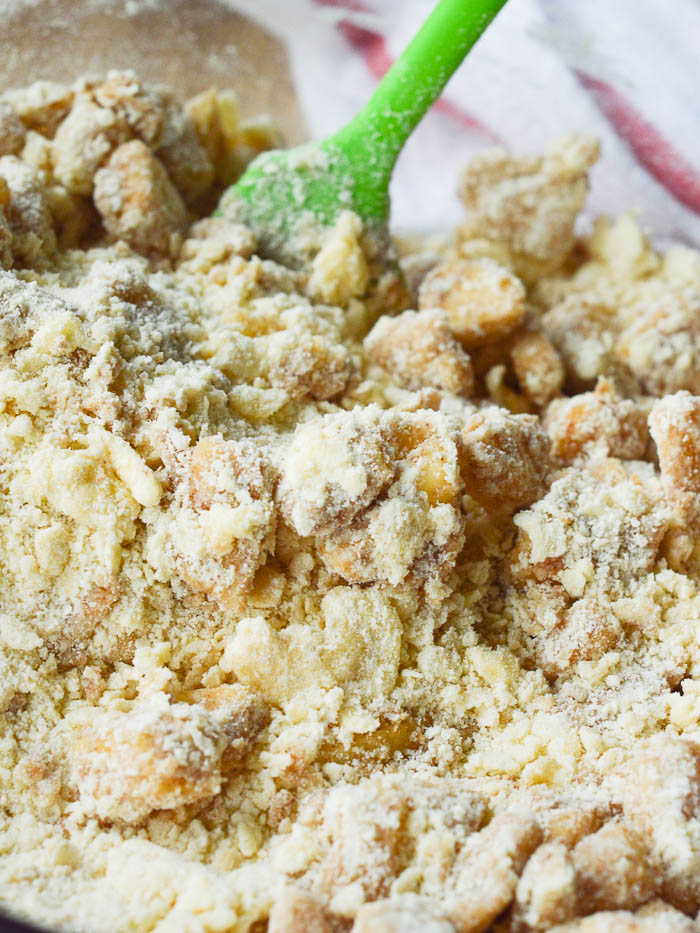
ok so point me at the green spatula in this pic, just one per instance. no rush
(352, 168)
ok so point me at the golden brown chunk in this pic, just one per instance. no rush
(69, 645)
(661, 797)
(366, 826)
(217, 119)
(219, 469)
(538, 367)
(675, 426)
(335, 467)
(42, 105)
(546, 892)
(528, 203)
(339, 271)
(588, 629)
(153, 115)
(37, 153)
(229, 142)
(488, 869)
(157, 756)
(612, 870)
(73, 216)
(567, 822)
(185, 159)
(661, 348)
(371, 831)
(677, 548)
(652, 918)
(239, 713)
(505, 460)
(415, 264)
(393, 738)
(226, 535)
(408, 913)
(358, 649)
(662, 914)
(420, 351)
(296, 911)
(256, 135)
(483, 300)
(12, 130)
(138, 202)
(307, 365)
(140, 107)
(418, 527)
(426, 443)
(570, 547)
(27, 211)
(83, 142)
(5, 231)
(501, 394)
(599, 422)
(584, 333)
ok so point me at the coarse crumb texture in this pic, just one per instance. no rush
(334, 600)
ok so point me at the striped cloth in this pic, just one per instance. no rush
(626, 71)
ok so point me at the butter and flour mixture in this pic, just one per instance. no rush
(338, 599)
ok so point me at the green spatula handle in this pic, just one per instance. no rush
(377, 134)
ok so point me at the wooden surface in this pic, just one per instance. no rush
(188, 44)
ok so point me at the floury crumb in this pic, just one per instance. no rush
(335, 600)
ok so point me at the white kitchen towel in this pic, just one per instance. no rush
(626, 71)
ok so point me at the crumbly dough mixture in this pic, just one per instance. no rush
(334, 600)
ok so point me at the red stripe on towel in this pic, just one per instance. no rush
(656, 154)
